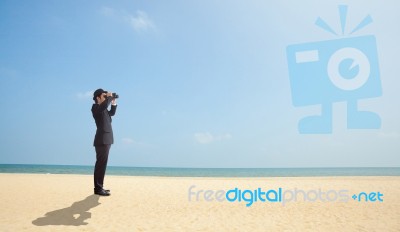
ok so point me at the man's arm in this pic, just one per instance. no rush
(112, 111)
(103, 106)
(113, 107)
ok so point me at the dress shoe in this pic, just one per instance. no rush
(102, 193)
(107, 190)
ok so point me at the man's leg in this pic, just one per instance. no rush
(101, 165)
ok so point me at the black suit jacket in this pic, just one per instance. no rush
(102, 117)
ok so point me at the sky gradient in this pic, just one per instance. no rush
(201, 83)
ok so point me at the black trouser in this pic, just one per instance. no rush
(101, 165)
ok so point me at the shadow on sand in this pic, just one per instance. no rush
(75, 215)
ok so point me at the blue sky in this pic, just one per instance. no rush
(201, 83)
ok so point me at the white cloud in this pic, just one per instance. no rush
(86, 95)
(203, 138)
(207, 137)
(128, 141)
(139, 21)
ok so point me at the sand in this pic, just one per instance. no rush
(52, 202)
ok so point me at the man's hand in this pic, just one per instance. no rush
(113, 101)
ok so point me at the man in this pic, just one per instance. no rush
(104, 136)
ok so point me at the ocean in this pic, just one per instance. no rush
(201, 172)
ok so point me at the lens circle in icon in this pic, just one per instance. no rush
(359, 59)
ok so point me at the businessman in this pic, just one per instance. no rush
(104, 136)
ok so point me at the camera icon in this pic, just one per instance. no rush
(332, 71)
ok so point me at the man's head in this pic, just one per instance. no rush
(99, 96)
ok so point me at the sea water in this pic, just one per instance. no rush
(201, 172)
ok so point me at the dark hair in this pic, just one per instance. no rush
(100, 96)
(97, 93)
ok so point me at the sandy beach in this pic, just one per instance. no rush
(53, 202)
